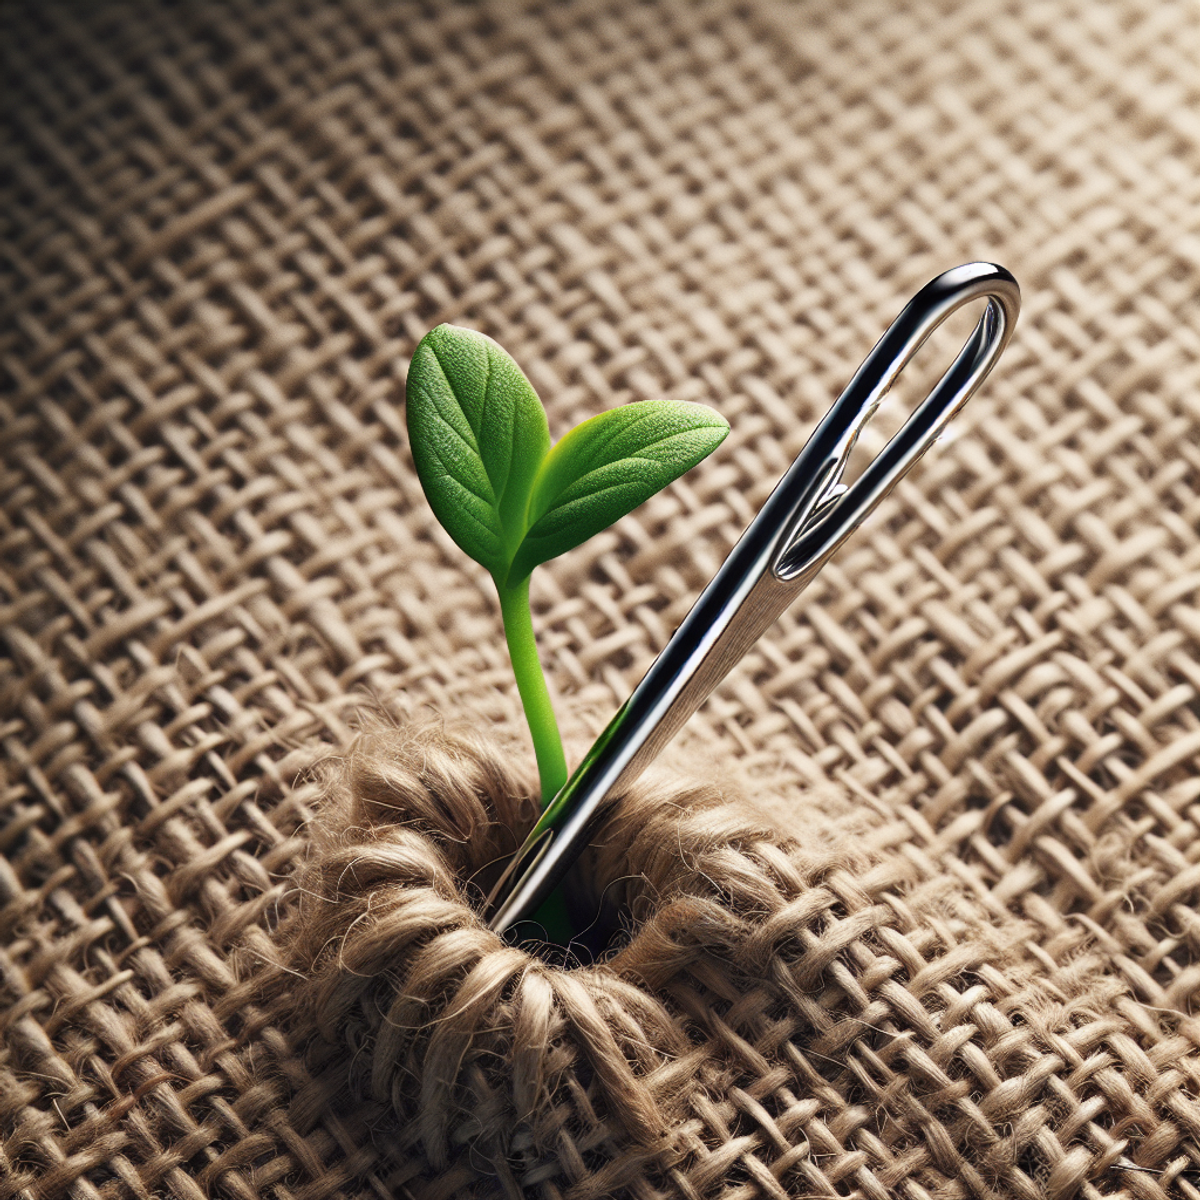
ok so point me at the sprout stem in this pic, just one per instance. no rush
(531, 683)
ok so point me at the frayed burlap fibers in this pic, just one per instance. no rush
(959, 955)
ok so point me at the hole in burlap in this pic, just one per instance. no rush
(862, 1001)
(472, 1040)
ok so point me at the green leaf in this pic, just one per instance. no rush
(606, 467)
(478, 434)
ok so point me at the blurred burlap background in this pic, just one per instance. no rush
(227, 225)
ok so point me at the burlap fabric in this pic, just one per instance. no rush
(225, 228)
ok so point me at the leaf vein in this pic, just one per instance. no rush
(628, 458)
(466, 510)
(473, 444)
(448, 473)
(437, 416)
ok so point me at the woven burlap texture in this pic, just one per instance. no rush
(227, 225)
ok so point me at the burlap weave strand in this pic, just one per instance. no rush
(948, 948)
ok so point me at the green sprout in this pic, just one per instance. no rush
(512, 500)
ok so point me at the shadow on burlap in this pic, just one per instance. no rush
(949, 948)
